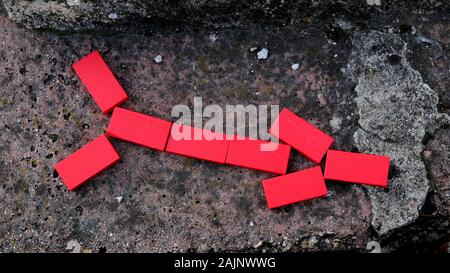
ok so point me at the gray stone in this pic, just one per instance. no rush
(158, 59)
(73, 246)
(373, 2)
(113, 16)
(262, 54)
(64, 15)
(396, 109)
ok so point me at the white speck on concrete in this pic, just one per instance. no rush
(113, 16)
(119, 198)
(252, 49)
(72, 3)
(345, 25)
(263, 53)
(251, 224)
(321, 99)
(295, 67)
(258, 244)
(74, 246)
(213, 37)
(312, 241)
(203, 248)
(335, 123)
(158, 59)
(373, 2)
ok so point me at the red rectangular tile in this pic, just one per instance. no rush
(294, 187)
(249, 153)
(138, 128)
(357, 168)
(87, 162)
(301, 135)
(100, 81)
(212, 146)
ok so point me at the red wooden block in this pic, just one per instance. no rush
(138, 128)
(87, 162)
(357, 168)
(294, 187)
(100, 81)
(301, 135)
(211, 150)
(248, 154)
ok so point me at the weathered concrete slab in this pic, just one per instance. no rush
(69, 15)
(155, 201)
(169, 203)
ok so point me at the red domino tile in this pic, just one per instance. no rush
(247, 153)
(87, 162)
(357, 168)
(294, 187)
(100, 81)
(211, 150)
(301, 135)
(138, 128)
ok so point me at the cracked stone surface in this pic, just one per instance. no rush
(390, 99)
(437, 158)
(170, 203)
(396, 108)
(69, 15)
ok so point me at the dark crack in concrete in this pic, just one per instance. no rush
(108, 15)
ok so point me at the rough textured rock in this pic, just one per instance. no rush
(396, 108)
(169, 203)
(89, 14)
(437, 159)
(163, 202)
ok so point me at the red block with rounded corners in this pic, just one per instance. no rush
(357, 168)
(100, 81)
(301, 135)
(214, 150)
(294, 187)
(138, 128)
(249, 153)
(87, 162)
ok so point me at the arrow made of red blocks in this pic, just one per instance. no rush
(156, 133)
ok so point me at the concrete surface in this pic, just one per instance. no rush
(154, 201)
(396, 108)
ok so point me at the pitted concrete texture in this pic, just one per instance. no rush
(154, 201)
(170, 203)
